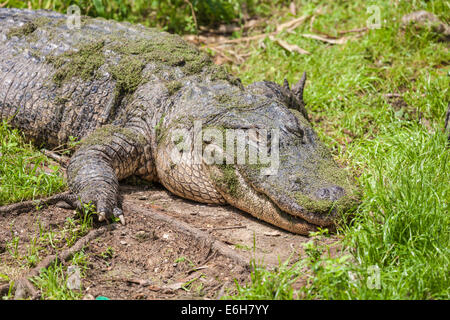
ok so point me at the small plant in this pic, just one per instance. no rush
(52, 284)
(269, 285)
(187, 260)
(242, 247)
(70, 231)
(80, 259)
(108, 253)
(13, 245)
(32, 256)
(5, 278)
(86, 217)
(189, 285)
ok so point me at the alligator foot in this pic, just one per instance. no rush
(117, 212)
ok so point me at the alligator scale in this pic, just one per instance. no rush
(123, 90)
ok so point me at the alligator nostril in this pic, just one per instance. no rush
(332, 193)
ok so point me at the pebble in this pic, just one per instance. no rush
(142, 235)
(74, 278)
(123, 242)
(272, 234)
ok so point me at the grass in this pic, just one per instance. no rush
(178, 16)
(397, 246)
(21, 169)
(22, 255)
(52, 282)
(399, 237)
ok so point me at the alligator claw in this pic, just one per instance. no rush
(118, 213)
(101, 216)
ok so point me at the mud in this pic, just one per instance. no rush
(150, 259)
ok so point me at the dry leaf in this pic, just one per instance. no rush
(289, 47)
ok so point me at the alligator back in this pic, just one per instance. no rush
(57, 82)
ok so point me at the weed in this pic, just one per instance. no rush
(108, 253)
(21, 174)
(52, 284)
(178, 16)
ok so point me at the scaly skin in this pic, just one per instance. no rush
(124, 89)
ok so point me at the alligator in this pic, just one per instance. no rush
(122, 89)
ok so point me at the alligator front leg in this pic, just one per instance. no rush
(105, 157)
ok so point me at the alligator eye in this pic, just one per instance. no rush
(295, 128)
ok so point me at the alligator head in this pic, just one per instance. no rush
(254, 149)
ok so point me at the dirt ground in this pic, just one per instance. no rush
(149, 257)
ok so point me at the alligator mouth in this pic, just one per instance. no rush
(280, 211)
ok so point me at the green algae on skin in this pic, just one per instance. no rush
(173, 86)
(28, 28)
(105, 134)
(128, 75)
(328, 171)
(228, 180)
(231, 100)
(83, 63)
(325, 206)
(162, 49)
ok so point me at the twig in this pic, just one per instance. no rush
(197, 269)
(23, 285)
(288, 46)
(21, 207)
(193, 13)
(62, 160)
(290, 25)
(4, 4)
(353, 30)
(224, 228)
(219, 51)
(157, 215)
(244, 39)
(328, 40)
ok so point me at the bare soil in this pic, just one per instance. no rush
(149, 258)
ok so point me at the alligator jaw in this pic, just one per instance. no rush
(257, 204)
